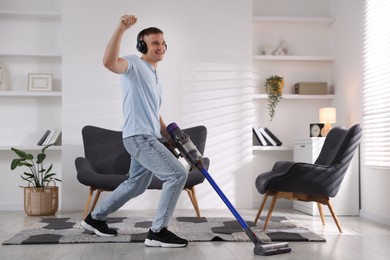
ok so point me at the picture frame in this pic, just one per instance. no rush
(40, 82)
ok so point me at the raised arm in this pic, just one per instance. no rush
(111, 59)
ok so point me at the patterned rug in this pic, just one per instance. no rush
(51, 230)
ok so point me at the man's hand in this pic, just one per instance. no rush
(127, 21)
(171, 147)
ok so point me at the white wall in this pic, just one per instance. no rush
(348, 72)
(349, 38)
(348, 67)
(207, 78)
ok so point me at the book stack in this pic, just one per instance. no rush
(51, 136)
(265, 137)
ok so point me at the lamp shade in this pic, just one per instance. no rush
(327, 115)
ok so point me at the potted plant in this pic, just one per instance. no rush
(40, 198)
(273, 87)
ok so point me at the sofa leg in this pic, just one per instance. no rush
(194, 200)
(270, 210)
(261, 208)
(88, 202)
(336, 220)
(87, 208)
(321, 213)
(99, 191)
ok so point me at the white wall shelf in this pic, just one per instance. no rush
(47, 15)
(296, 96)
(271, 148)
(29, 94)
(32, 55)
(294, 19)
(30, 148)
(293, 58)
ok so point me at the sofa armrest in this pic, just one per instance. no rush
(87, 175)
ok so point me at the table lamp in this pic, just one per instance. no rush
(327, 117)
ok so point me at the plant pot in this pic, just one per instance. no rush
(280, 86)
(274, 87)
(40, 201)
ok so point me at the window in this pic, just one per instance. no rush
(376, 83)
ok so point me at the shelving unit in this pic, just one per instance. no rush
(31, 43)
(307, 39)
(309, 59)
(29, 114)
(295, 21)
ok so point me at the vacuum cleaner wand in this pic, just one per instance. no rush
(189, 151)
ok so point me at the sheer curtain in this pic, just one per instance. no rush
(376, 83)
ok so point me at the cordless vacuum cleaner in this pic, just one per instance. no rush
(189, 151)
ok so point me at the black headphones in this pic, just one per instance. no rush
(141, 44)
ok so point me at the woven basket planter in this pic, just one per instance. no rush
(40, 201)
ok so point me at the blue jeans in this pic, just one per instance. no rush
(148, 156)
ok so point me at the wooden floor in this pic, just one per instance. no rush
(362, 239)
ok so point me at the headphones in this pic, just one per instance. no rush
(141, 44)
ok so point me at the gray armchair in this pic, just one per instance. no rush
(312, 182)
(106, 163)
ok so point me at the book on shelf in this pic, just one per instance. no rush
(51, 136)
(260, 138)
(270, 137)
(43, 138)
(55, 137)
(278, 142)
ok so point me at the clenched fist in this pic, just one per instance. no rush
(128, 20)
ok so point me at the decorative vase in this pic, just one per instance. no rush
(40, 201)
(280, 84)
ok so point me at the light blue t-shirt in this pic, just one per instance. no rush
(142, 96)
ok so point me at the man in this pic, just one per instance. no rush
(142, 134)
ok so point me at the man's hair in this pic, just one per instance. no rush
(148, 31)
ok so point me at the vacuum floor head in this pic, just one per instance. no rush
(271, 248)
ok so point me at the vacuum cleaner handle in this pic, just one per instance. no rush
(185, 146)
(189, 151)
(172, 150)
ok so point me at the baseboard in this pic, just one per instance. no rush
(374, 217)
(11, 207)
